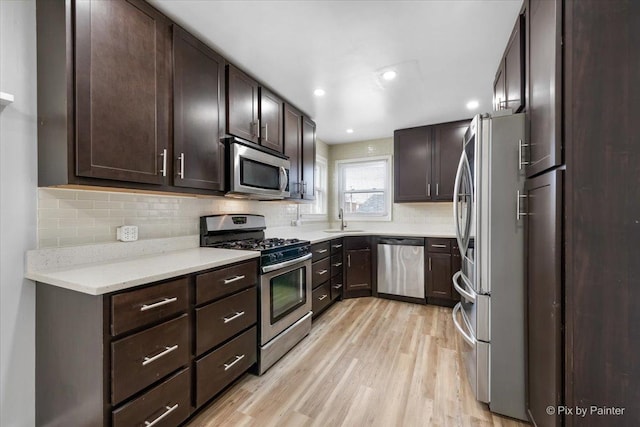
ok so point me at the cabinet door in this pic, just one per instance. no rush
(545, 85)
(514, 68)
(412, 164)
(242, 105)
(447, 148)
(271, 110)
(499, 94)
(544, 296)
(293, 148)
(358, 271)
(122, 51)
(198, 113)
(308, 158)
(439, 275)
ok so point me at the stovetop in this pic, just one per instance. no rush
(259, 244)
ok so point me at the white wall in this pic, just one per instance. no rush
(18, 180)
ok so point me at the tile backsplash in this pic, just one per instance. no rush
(73, 217)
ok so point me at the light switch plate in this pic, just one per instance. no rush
(127, 233)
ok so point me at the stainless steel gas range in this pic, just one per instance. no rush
(285, 280)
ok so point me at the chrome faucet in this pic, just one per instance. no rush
(343, 225)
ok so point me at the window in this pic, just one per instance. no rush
(318, 209)
(364, 187)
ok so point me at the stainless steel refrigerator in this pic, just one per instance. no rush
(489, 227)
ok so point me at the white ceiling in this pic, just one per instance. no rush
(445, 53)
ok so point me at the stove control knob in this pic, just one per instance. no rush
(280, 255)
(272, 257)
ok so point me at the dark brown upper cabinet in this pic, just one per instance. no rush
(253, 112)
(122, 83)
(242, 105)
(198, 113)
(425, 161)
(271, 120)
(293, 149)
(308, 158)
(545, 86)
(509, 84)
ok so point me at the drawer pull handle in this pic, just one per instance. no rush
(320, 298)
(169, 410)
(337, 286)
(165, 301)
(228, 366)
(321, 251)
(235, 316)
(321, 272)
(337, 264)
(167, 350)
(438, 246)
(336, 246)
(233, 279)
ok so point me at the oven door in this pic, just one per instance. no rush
(285, 296)
(256, 174)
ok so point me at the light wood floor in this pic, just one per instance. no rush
(367, 362)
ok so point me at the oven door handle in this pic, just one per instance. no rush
(269, 268)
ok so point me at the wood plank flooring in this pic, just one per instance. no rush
(367, 362)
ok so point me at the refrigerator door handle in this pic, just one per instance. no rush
(469, 296)
(467, 337)
(456, 195)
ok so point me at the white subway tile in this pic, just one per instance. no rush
(93, 195)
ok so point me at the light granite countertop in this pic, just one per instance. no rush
(115, 275)
(104, 268)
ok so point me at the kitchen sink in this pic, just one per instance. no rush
(346, 230)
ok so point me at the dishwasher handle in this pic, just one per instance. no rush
(401, 241)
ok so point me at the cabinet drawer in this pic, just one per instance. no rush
(336, 246)
(336, 265)
(439, 245)
(140, 359)
(336, 287)
(321, 298)
(133, 309)
(320, 250)
(225, 281)
(357, 242)
(223, 319)
(169, 403)
(219, 368)
(321, 271)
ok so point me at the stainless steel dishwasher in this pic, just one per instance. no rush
(401, 267)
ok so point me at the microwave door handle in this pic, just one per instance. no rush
(283, 178)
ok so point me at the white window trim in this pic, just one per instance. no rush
(321, 217)
(388, 190)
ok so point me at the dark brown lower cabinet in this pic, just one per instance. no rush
(327, 274)
(358, 267)
(439, 275)
(544, 296)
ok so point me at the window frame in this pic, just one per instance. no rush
(387, 191)
(320, 160)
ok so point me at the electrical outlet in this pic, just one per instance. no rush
(127, 233)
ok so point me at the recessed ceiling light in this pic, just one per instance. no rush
(472, 105)
(349, 130)
(389, 75)
(319, 92)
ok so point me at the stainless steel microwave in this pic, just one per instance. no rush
(256, 174)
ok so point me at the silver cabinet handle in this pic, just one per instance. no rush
(169, 409)
(337, 286)
(166, 351)
(165, 301)
(437, 189)
(181, 172)
(438, 246)
(234, 317)
(519, 214)
(321, 272)
(321, 251)
(163, 171)
(521, 162)
(337, 264)
(429, 263)
(266, 131)
(349, 260)
(336, 246)
(320, 298)
(428, 190)
(255, 128)
(228, 366)
(233, 279)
